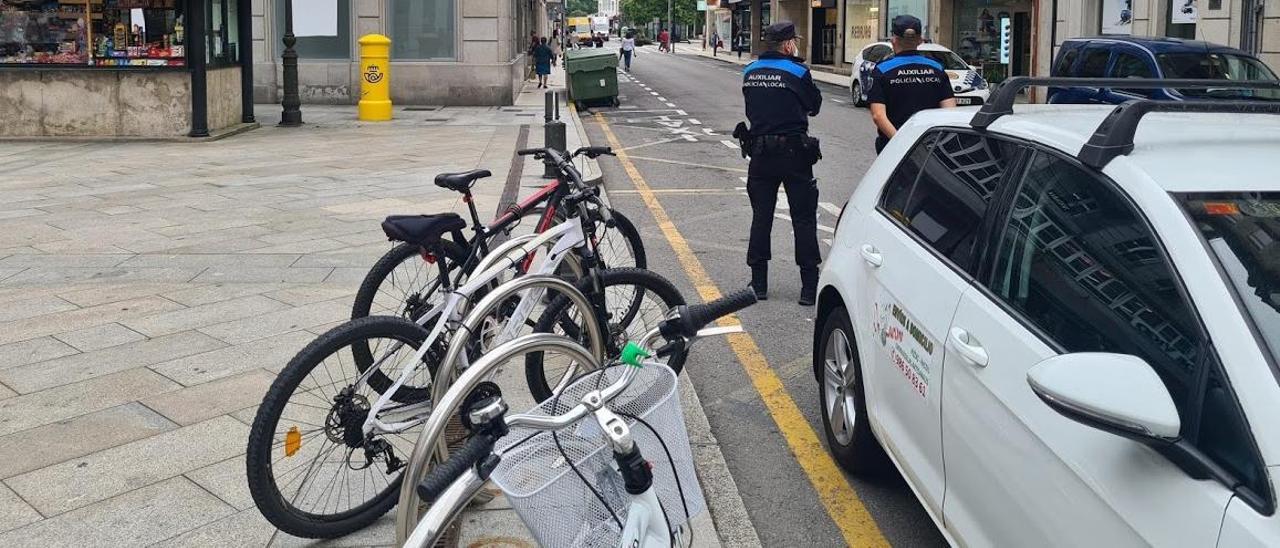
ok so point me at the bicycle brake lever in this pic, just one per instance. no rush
(716, 331)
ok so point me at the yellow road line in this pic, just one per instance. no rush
(841, 502)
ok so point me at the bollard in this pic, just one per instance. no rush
(375, 78)
(553, 133)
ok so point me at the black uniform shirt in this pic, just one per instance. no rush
(780, 95)
(907, 83)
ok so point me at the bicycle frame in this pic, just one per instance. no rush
(567, 236)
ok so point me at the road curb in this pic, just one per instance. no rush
(731, 523)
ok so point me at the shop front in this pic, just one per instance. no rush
(861, 26)
(742, 38)
(825, 28)
(124, 68)
(977, 36)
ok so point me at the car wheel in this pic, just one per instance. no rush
(855, 93)
(844, 407)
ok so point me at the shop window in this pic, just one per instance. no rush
(224, 32)
(322, 45)
(422, 29)
(102, 33)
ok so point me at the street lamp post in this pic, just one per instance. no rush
(292, 113)
(671, 29)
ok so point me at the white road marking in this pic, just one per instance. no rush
(682, 113)
(821, 227)
(743, 179)
(663, 99)
(672, 105)
(690, 138)
(695, 121)
(830, 207)
(840, 100)
(653, 93)
(730, 144)
(827, 241)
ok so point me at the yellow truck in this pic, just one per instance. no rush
(581, 28)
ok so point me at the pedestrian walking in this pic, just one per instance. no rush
(533, 44)
(555, 46)
(780, 98)
(715, 42)
(542, 61)
(664, 40)
(905, 83)
(628, 49)
(740, 42)
(598, 40)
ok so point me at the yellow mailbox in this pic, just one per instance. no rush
(375, 78)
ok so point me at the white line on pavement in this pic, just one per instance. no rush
(653, 93)
(682, 113)
(840, 100)
(695, 121)
(830, 207)
(821, 227)
(690, 138)
(672, 105)
(730, 144)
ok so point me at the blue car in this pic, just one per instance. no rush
(1145, 57)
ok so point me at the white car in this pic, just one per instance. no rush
(1061, 343)
(966, 83)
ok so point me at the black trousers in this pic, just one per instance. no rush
(764, 175)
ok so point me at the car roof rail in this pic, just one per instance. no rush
(1114, 136)
(1001, 101)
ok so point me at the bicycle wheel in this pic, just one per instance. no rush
(635, 300)
(403, 283)
(311, 470)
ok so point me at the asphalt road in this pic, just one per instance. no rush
(676, 118)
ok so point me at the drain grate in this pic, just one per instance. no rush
(421, 109)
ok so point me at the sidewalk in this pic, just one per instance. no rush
(732, 57)
(149, 293)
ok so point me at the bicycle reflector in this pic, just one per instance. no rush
(292, 441)
(632, 353)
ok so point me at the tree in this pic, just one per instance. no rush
(582, 8)
(638, 13)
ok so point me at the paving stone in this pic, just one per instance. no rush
(79, 436)
(298, 295)
(14, 512)
(285, 321)
(37, 306)
(200, 316)
(105, 474)
(46, 260)
(70, 369)
(218, 292)
(6, 393)
(250, 274)
(244, 528)
(209, 260)
(137, 518)
(379, 533)
(349, 276)
(98, 294)
(32, 410)
(205, 401)
(41, 275)
(305, 246)
(271, 353)
(492, 528)
(99, 337)
(225, 479)
(61, 322)
(33, 350)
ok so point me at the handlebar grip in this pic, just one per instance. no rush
(444, 474)
(528, 151)
(695, 317)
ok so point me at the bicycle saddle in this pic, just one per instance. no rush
(461, 182)
(423, 230)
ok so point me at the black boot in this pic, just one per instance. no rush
(760, 281)
(808, 285)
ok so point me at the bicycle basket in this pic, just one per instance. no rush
(556, 505)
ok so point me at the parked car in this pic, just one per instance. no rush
(1077, 353)
(1141, 57)
(968, 85)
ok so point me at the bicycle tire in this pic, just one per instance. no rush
(260, 470)
(631, 236)
(556, 315)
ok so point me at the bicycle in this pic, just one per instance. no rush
(559, 509)
(397, 283)
(386, 387)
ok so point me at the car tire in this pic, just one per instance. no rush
(855, 94)
(840, 391)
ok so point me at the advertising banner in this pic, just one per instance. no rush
(1117, 17)
(1184, 12)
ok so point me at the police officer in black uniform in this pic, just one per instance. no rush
(780, 97)
(905, 83)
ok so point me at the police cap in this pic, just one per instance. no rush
(906, 26)
(780, 31)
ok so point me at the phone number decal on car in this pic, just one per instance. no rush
(909, 348)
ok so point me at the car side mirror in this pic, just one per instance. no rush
(1115, 393)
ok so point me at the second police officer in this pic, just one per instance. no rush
(780, 97)
(905, 83)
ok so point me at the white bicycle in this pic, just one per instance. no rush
(575, 482)
(324, 456)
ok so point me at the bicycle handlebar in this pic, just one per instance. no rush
(443, 475)
(692, 318)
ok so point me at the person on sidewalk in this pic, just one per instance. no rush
(555, 46)
(715, 42)
(741, 42)
(628, 49)
(542, 59)
(533, 44)
(780, 97)
(905, 83)
(664, 40)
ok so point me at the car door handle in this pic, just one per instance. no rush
(968, 347)
(871, 255)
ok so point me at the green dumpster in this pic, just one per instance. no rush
(592, 75)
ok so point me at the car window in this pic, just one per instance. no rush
(955, 185)
(1079, 263)
(949, 60)
(898, 189)
(1094, 64)
(876, 53)
(1063, 66)
(1129, 65)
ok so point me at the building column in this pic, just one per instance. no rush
(756, 7)
(244, 20)
(197, 38)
